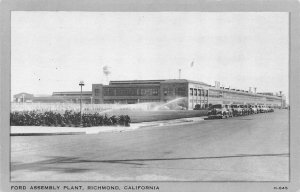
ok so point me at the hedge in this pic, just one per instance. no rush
(68, 119)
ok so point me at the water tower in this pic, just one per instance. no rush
(106, 73)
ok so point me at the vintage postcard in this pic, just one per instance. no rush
(143, 100)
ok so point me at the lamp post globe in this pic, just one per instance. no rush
(81, 83)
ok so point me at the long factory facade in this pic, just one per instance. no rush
(189, 94)
(192, 93)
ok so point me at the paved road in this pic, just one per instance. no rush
(249, 148)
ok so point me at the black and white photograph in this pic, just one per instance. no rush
(149, 96)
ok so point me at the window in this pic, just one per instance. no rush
(202, 92)
(132, 92)
(199, 92)
(165, 92)
(191, 91)
(155, 92)
(126, 91)
(214, 93)
(146, 92)
(168, 91)
(150, 92)
(195, 92)
(109, 92)
(97, 92)
(181, 91)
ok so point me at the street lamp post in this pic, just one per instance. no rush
(81, 83)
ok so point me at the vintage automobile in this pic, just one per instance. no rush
(260, 109)
(237, 110)
(246, 109)
(265, 109)
(228, 107)
(271, 109)
(219, 111)
(253, 109)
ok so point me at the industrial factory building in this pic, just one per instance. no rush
(190, 94)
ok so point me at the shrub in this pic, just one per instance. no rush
(68, 118)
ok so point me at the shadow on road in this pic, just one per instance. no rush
(47, 165)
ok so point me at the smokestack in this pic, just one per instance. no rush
(254, 89)
(179, 74)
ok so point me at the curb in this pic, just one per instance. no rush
(46, 134)
(86, 132)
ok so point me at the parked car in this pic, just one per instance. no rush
(237, 110)
(260, 109)
(253, 109)
(228, 107)
(264, 109)
(271, 109)
(219, 111)
(244, 109)
(247, 110)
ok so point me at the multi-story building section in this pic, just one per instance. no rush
(189, 93)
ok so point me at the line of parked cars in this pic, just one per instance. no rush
(223, 111)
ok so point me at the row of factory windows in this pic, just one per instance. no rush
(170, 91)
(128, 92)
(198, 92)
(228, 95)
(126, 101)
(198, 101)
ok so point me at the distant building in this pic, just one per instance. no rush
(23, 97)
(56, 97)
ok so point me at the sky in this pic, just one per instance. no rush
(53, 51)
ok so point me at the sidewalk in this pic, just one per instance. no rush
(40, 130)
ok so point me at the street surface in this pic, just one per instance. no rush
(248, 148)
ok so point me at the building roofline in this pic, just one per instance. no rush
(246, 93)
(71, 92)
(155, 81)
